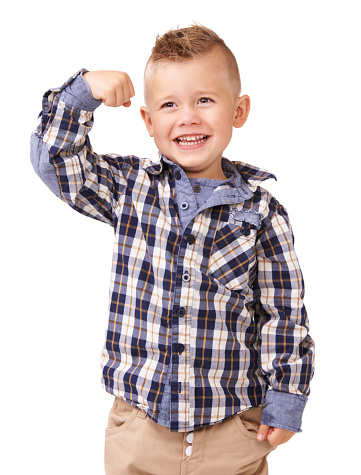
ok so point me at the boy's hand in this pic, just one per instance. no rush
(114, 88)
(274, 435)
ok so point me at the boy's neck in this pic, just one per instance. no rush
(221, 177)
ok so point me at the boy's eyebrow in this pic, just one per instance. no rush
(168, 97)
(200, 92)
(205, 92)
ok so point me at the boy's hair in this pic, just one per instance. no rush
(191, 43)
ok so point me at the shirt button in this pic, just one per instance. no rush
(246, 231)
(190, 437)
(179, 348)
(177, 175)
(197, 188)
(181, 312)
(184, 205)
(186, 277)
(191, 239)
(188, 451)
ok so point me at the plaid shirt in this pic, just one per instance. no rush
(220, 299)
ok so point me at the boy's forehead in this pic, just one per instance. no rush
(210, 65)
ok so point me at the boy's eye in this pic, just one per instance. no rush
(205, 100)
(168, 104)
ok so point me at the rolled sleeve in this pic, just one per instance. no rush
(78, 95)
(284, 410)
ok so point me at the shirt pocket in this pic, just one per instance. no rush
(233, 258)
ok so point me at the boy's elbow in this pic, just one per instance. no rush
(39, 158)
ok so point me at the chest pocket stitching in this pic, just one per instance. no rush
(243, 219)
(251, 217)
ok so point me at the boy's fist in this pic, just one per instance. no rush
(114, 88)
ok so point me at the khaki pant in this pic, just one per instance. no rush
(134, 444)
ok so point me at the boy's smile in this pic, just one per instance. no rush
(191, 111)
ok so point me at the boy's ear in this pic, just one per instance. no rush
(242, 111)
(147, 120)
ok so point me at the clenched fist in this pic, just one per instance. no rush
(114, 88)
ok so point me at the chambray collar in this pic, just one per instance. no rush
(249, 174)
(239, 175)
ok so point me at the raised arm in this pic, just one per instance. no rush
(61, 152)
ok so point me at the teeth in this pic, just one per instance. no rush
(191, 139)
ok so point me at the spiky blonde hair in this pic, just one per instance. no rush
(191, 43)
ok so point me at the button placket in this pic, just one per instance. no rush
(182, 338)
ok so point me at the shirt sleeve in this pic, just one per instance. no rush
(287, 350)
(78, 94)
(62, 155)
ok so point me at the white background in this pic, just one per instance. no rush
(299, 62)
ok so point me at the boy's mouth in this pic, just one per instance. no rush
(189, 140)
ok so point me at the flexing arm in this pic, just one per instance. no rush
(60, 148)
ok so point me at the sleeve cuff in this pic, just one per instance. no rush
(78, 95)
(284, 410)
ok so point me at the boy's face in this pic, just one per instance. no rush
(191, 111)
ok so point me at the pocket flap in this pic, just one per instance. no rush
(250, 217)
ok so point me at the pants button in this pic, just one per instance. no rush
(188, 451)
(190, 437)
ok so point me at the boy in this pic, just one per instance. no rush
(207, 351)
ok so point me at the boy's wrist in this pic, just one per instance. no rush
(284, 410)
(78, 95)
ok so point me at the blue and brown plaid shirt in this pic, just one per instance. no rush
(218, 298)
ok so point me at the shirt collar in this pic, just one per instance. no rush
(243, 172)
(238, 173)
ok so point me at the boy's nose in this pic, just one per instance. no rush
(188, 115)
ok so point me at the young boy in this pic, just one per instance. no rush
(207, 351)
